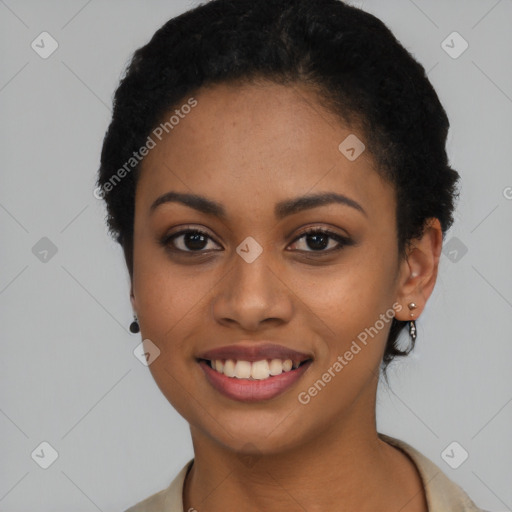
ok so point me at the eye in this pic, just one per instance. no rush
(318, 240)
(194, 240)
(188, 240)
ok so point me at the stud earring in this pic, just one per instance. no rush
(134, 326)
(412, 323)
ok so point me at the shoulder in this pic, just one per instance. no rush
(166, 500)
(443, 495)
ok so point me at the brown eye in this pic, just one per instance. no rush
(317, 240)
(190, 240)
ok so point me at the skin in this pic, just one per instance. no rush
(249, 147)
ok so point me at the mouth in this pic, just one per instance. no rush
(250, 373)
(256, 370)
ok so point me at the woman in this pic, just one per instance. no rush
(276, 174)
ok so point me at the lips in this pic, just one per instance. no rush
(253, 372)
(254, 352)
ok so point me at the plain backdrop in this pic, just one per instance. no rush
(69, 376)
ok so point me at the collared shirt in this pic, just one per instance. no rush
(442, 494)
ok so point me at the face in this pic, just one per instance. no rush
(269, 279)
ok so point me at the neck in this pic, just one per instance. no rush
(345, 464)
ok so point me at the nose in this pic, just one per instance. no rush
(252, 295)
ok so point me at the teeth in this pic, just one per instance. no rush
(242, 369)
(258, 370)
(287, 365)
(229, 368)
(276, 367)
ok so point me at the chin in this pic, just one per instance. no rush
(253, 431)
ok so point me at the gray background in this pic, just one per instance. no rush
(68, 373)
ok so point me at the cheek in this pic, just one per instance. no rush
(354, 303)
(164, 291)
(170, 303)
(354, 292)
(357, 310)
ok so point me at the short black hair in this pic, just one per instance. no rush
(347, 56)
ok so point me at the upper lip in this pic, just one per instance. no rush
(254, 352)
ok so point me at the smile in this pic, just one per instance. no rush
(249, 371)
(257, 370)
(244, 387)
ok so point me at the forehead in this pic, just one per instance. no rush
(256, 144)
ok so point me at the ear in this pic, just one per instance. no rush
(418, 271)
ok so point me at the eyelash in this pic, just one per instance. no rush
(341, 240)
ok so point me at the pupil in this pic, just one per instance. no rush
(193, 241)
(316, 237)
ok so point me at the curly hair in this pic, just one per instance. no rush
(348, 57)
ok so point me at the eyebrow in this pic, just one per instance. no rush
(282, 209)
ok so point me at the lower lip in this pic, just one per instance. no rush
(246, 390)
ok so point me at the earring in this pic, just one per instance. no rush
(412, 330)
(412, 323)
(134, 326)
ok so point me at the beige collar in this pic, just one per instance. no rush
(442, 494)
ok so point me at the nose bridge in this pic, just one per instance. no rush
(252, 279)
(251, 291)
